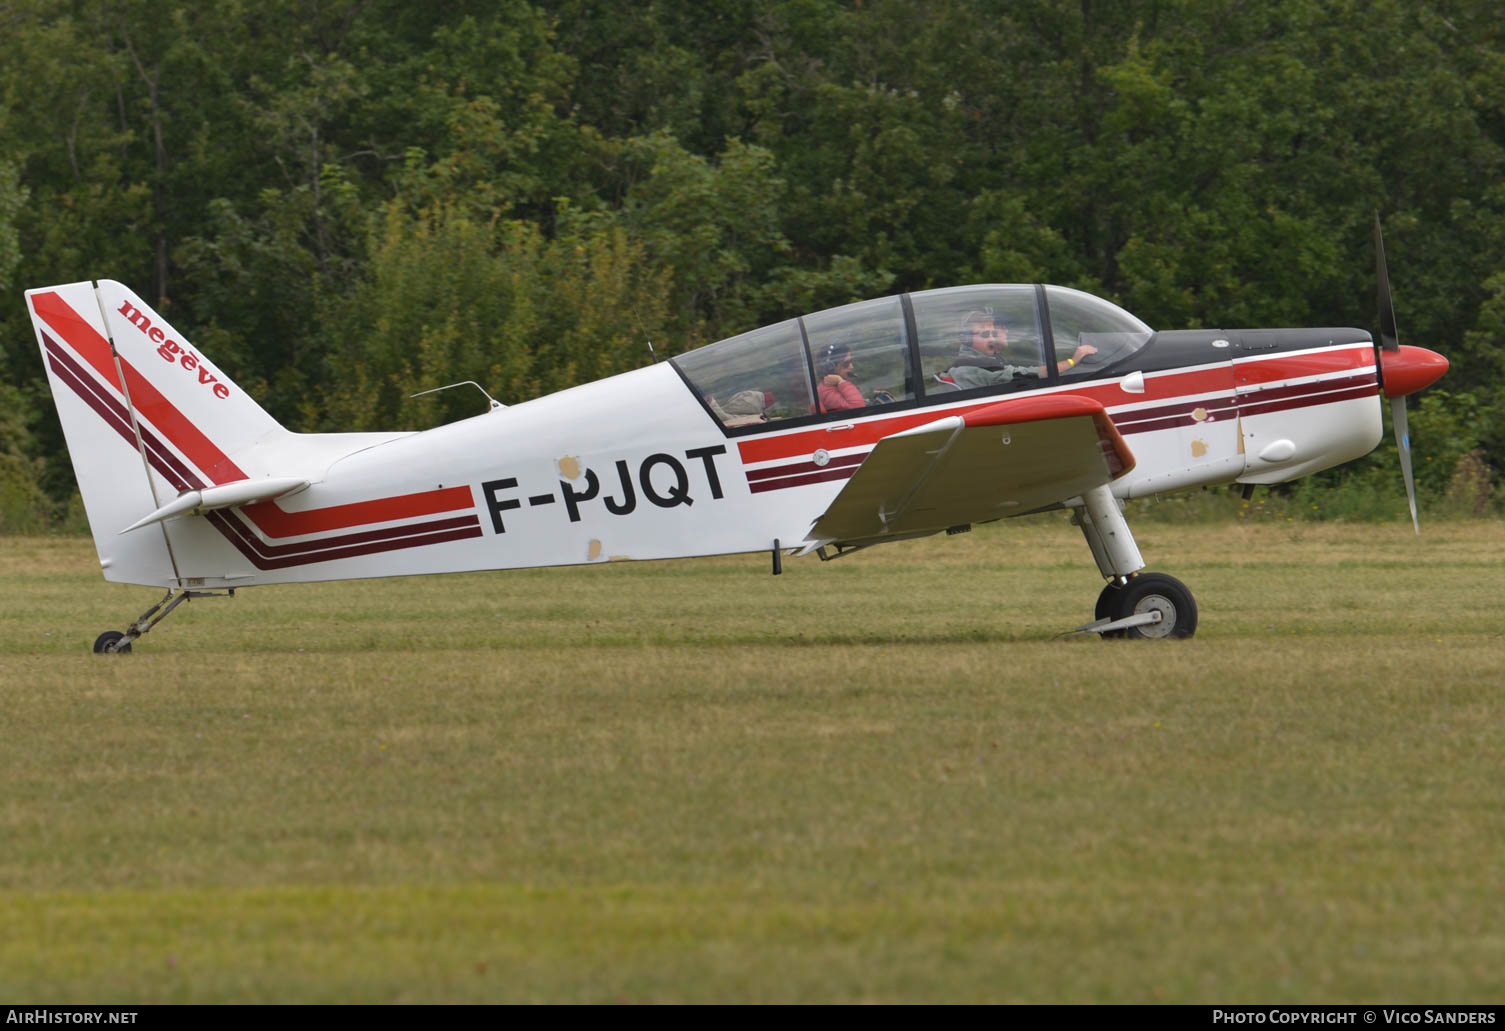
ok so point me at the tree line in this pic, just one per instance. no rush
(346, 201)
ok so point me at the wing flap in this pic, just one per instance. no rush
(1004, 459)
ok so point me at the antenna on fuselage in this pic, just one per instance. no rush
(495, 404)
(652, 354)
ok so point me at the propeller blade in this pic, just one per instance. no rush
(1403, 445)
(1389, 340)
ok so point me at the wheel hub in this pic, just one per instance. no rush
(1161, 604)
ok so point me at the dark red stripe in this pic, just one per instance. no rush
(169, 464)
(1351, 394)
(1256, 402)
(1260, 396)
(804, 467)
(1175, 421)
(799, 481)
(1179, 408)
(1170, 416)
(115, 415)
(111, 418)
(271, 551)
(223, 523)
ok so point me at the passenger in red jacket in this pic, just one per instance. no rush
(837, 391)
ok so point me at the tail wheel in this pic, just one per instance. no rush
(108, 643)
(1154, 592)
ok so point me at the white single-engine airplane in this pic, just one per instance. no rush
(873, 422)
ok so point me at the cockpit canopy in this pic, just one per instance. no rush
(908, 350)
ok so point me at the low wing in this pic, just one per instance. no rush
(1005, 459)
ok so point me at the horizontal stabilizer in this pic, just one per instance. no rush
(241, 492)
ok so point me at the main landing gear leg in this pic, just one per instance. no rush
(117, 642)
(1133, 603)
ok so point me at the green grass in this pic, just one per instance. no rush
(882, 779)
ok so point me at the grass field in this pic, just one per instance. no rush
(884, 779)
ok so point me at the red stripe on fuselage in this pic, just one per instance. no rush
(274, 522)
(1298, 366)
(1215, 379)
(1261, 395)
(369, 543)
(1204, 379)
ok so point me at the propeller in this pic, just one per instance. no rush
(1402, 370)
(1390, 341)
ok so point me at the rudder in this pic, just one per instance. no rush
(144, 415)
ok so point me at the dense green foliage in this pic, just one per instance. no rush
(347, 201)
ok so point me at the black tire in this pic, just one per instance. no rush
(1150, 591)
(105, 644)
(1106, 600)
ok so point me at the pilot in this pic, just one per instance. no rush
(980, 362)
(837, 391)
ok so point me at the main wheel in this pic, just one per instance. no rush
(1156, 592)
(105, 644)
(1106, 600)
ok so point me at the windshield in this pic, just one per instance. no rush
(1077, 318)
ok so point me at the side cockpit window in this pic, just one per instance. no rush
(753, 378)
(851, 360)
(978, 336)
(860, 354)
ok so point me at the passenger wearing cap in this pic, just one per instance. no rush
(980, 361)
(837, 392)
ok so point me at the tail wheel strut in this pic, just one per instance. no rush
(118, 642)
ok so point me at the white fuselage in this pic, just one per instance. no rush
(633, 467)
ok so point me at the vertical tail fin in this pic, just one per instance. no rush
(145, 416)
